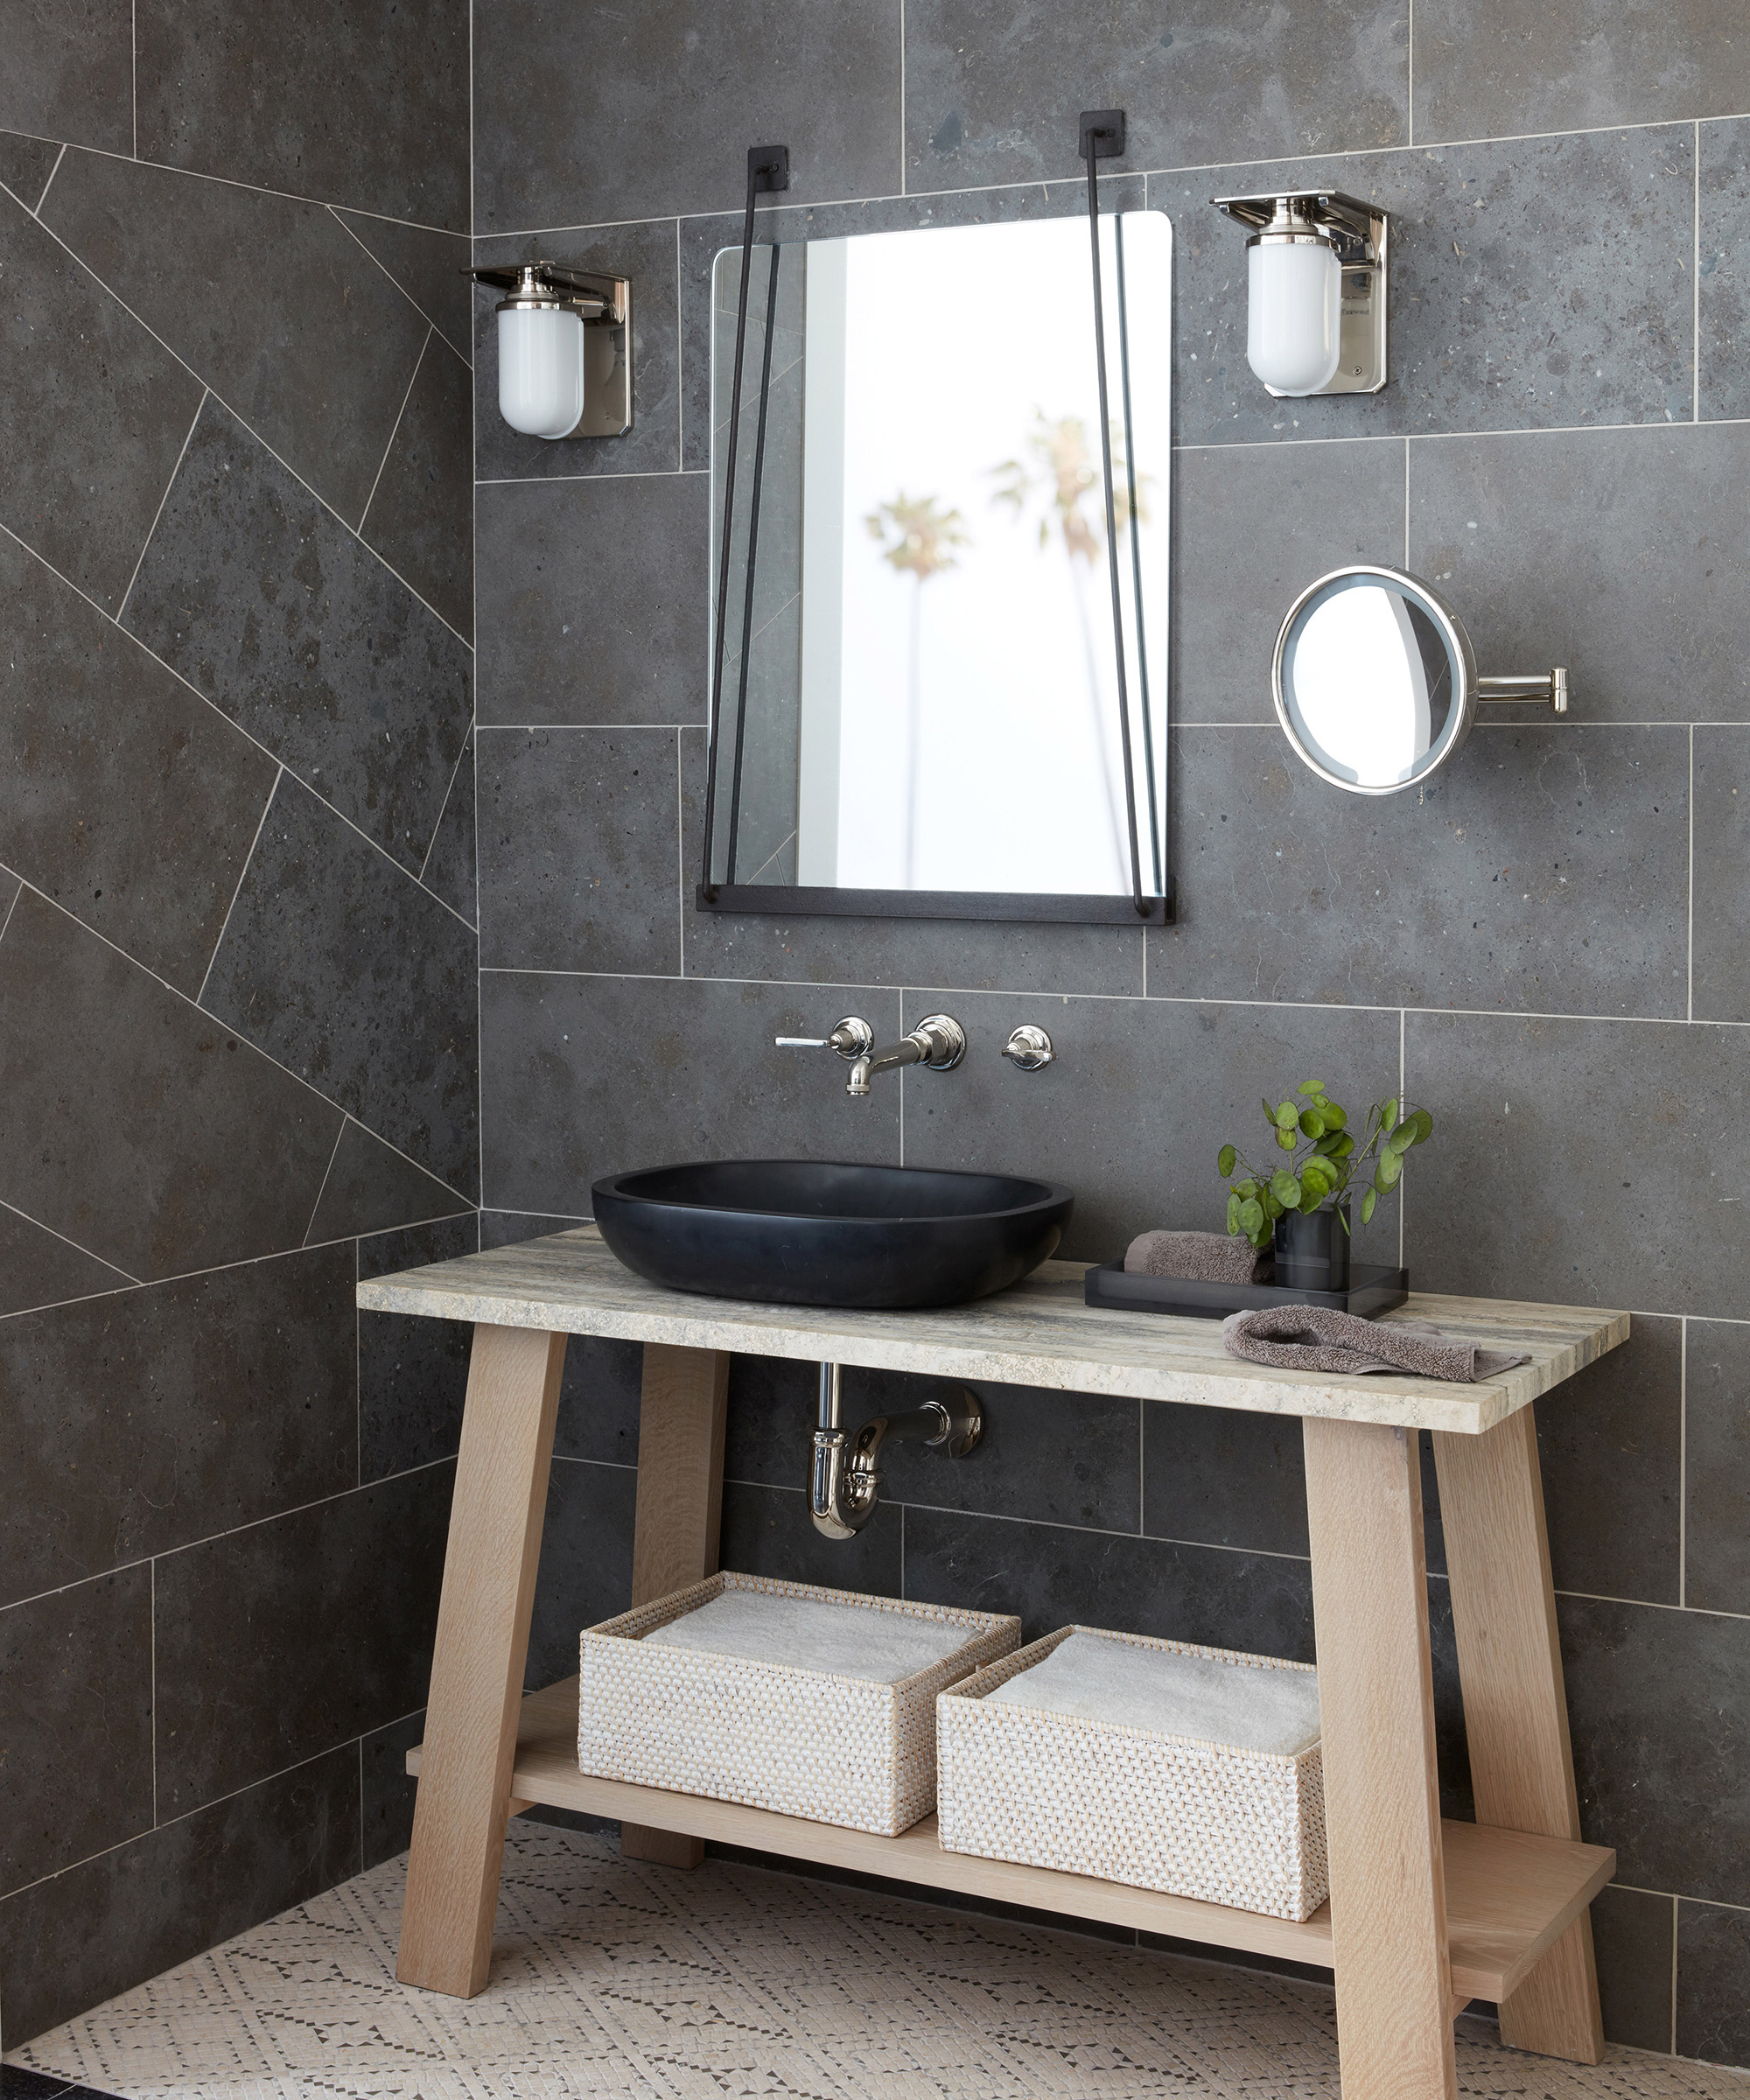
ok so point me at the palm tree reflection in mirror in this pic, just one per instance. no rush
(917, 538)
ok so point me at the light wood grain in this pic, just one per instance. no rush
(1507, 1896)
(1516, 1712)
(1040, 1333)
(1394, 1988)
(482, 1644)
(682, 1411)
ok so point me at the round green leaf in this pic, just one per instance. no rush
(1287, 1115)
(1425, 1126)
(1367, 1202)
(1335, 1117)
(1271, 1208)
(1311, 1086)
(1386, 1174)
(1288, 1139)
(1388, 1113)
(1285, 1189)
(1252, 1221)
(1311, 1123)
(1233, 1214)
(1248, 1188)
(1224, 1161)
(1404, 1137)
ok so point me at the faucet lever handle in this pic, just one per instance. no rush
(851, 1037)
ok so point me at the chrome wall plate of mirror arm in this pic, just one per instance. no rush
(1361, 236)
(1550, 690)
(603, 304)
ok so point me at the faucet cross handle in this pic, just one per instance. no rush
(851, 1038)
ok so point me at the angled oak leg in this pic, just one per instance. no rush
(489, 1567)
(1381, 1792)
(682, 1413)
(1516, 1711)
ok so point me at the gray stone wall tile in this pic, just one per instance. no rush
(362, 105)
(1050, 1456)
(1723, 269)
(70, 72)
(449, 870)
(190, 1150)
(599, 1397)
(26, 164)
(645, 253)
(429, 266)
(421, 518)
(569, 1105)
(79, 1653)
(1488, 68)
(1659, 1707)
(1052, 1575)
(93, 414)
(1713, 1982)
(271, 301)
(1213, 1476)
(111, 1922)
(413, 1374)
(1252, 527)
(559, 144)
(593, 594)
(994, 88)
(1631, 1932)
(768, 1531)
(180, 1411)
(1630, 568)
(268, 1646)
(125, 798)
(389, 1788)
(1087, 1121)
(579, 850)
(585, 1573)
(1721, 874)
(354, 977)
(39, 1269)
(1623, 1221)
(1546, 868)
(267, 604)
(1570, 299)
(1716, 1472)
(371, 1188)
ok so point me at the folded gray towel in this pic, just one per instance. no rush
(1201, 1257)
(1318, 1338)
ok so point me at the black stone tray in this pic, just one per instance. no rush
(1370, 1291)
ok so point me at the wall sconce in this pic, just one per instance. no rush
(564, 350)
(1316, 274)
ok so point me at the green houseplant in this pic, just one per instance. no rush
(1321, 1161)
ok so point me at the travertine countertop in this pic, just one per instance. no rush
(1034, 1334)
(1040, 1332)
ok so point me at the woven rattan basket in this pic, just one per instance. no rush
(811, 1743)
(1241, 1827)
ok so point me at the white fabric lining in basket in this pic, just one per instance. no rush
(808, 1633)
(820, 1743)
(1182, 1814)
(1172, 1691)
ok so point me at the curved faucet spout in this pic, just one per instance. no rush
(938, 1042)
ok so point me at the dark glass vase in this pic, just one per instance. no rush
(1312, 1250)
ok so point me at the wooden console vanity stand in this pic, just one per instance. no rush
(1423, 1916)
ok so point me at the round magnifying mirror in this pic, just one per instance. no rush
(1375, 682)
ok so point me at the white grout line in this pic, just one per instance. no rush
(1460, 437)
(1695, 287)
(315, 1208)
(152, 1630)
(455, 774)
(242, 876)
(399, 286)
(1406, 503)
(902, 106)
(424, 344)
(630, 473)
(1689, 1010)
(1684, 1466)
(503, 1210)
(146, 543)
(54, 171)
(680, 366)
(615, 729)
(11, 907)
(134, 71)
(361, 1804)
(1410, 93)
(101, 1261)
(1403, 1087)
(1676, 1922)
(681, 846)
(1652, 1604)
(315, 204)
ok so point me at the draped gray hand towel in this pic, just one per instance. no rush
(1318, 1338)
(1202, 1257)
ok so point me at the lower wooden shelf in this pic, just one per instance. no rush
(1508, 1894)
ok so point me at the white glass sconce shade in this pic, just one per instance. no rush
(541, 370)
(1294, 314)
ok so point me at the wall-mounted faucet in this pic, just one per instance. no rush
(845, 1482)
(938, 1043)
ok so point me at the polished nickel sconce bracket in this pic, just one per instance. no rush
(603, 304)
(1359, 233)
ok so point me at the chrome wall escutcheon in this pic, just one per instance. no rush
(1029, 1049)
(844, 1473)
(851, 1038)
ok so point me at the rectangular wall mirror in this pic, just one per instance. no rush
(921, 713)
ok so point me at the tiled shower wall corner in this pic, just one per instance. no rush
(238, 992)
(1547, 948)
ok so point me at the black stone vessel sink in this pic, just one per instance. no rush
(804, 1232)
